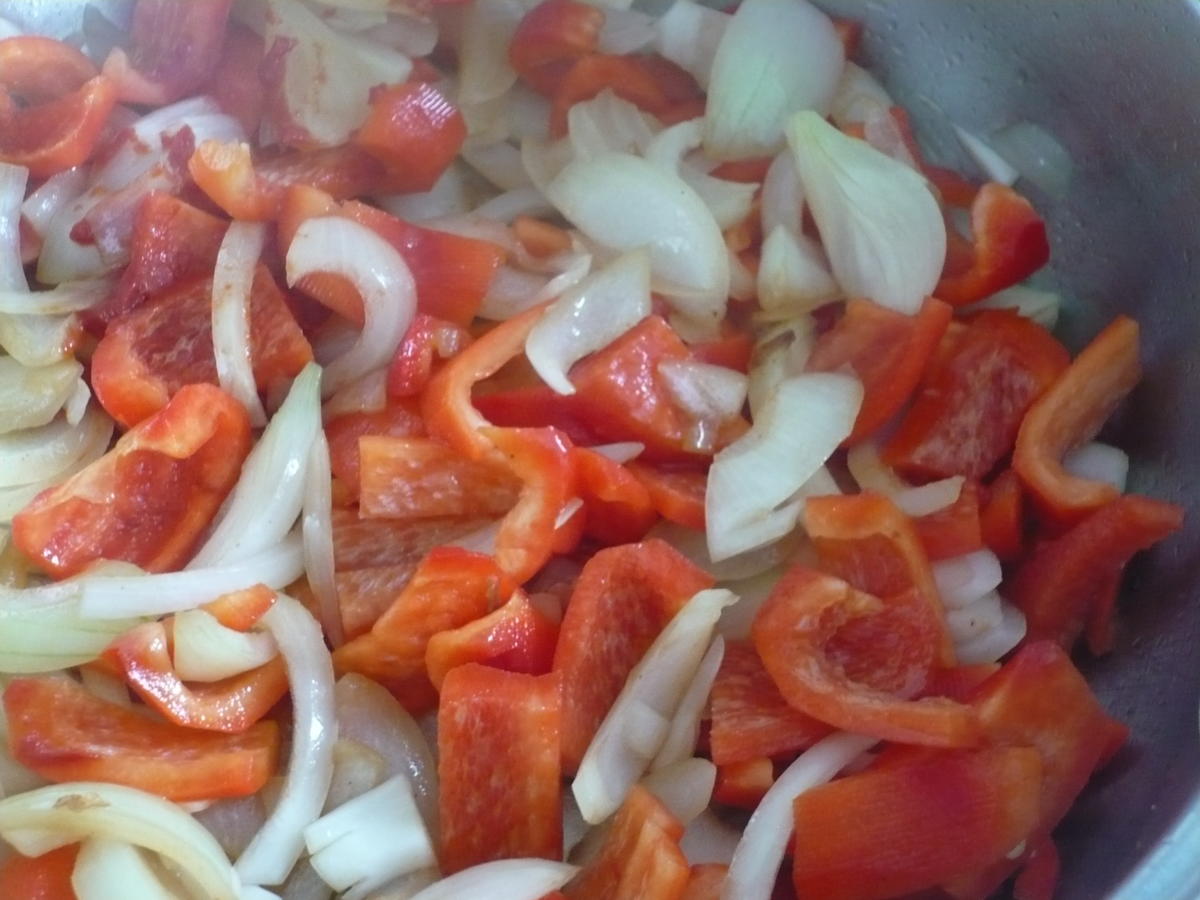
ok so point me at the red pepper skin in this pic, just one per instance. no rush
(414, 131)
(550, 38)
(743, 784)
(618, 507)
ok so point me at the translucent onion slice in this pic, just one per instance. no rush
(871, 473)
(994, 166)
(969, 622)
(499, 162)
(680, 742)
(687, 251)
(38, 340)
(1041, 306)
(692, 544)
(621, 452)
(365, 394)
(449, 196)
(1099, 462)
(484, 72)
(730, 202)
(608, 124)
(521, 201)
(711, 394)
(62, 814)
(760, 851)
(929, 498)
(368, 841)
(270, 491)
(206, 650)
(156, 595)
(232, 279)
(30, 398)
(316, 529)
(41, 206)
(377, 271)
(512, 879)
(881, 226)
(1037, 155)
(99, 433)
(356, 769)
(689, 34)
(512, 292)
(783, 196)
(858, 95)
(750, 499)
(42, 629)
(12, 193)
(961, 580)
(685, 787)
(995, 643)
(277, 846)
(792, 275)
(781, 351)
(777, 57)
(707, 839)
(106, 868)
(589, 317)
(38, 454)
(68, 297)
(628, 738)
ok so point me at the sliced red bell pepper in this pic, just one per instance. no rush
(231, 705)
(732, 348)
(750, 718)
(640, 857)
(743, 784)
(867, 541)
(965, 416)
(414, 131)
(855, 686)
(533, 406)
(517, 637)
(550, 38)
(1039, 878)
(420, 478)
(149, 354)
(1002, 517)
(148, 499)
(365, 543)
(241, 610)
(364, 594)
(34, 69)
(887, 350)
(499, 780)
(428, 339)
(625, 76)
(58, 133)
(618, 506)
(952, 530)
(59, 730)
(1070, 413)
(399, 419)
(959, 682)
(907, 827)
(623, 598)
(1059, 585)
(45, 877)
(236, 84)
(1009, 245)
(677, 492)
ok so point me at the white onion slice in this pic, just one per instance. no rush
(781, 351)
(1037, 155)
(521, 201)
(685, 787)
(365, 394)
(1033, 303)
(499, 162)
(483, 69)
(275, 849)
(871, 473)
(12, 193)
(991, 163)
(929, 498)
(77, 404)
(692, 544)
(687, 251)
(783, 196)
(961, 580)
(368, 841)
(730, 202)
(1095, 461)
(41, 206)
(776, 57)
(37, 454)
(689, 34)
(656, 685)
(316, 529)
(38, 340)
(105, 685)
(381, 277)
(976, 618)
(449, 196)
(680, 742)
(233, 277)
(30, 398)
(883, 132)
(621, 452)
(589, 317)
(626, 31)
(710, 393)
(759, 853)
(607, 124)
(267, 499)
(709, 840)
(749, 500)
(881, 226)
(858, 95)
(206, 650)
(792, 275)
(99, 429)
(512, 879)
(61, 814)
(511, 293)
(106, 868)
(169, 592)
(544, 159)
(68, 297)
(994, 643)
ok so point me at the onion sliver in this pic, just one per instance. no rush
(881, 226)
(994, 643)
(783, 195)
(12, 193)
(991, 163)
(792, 276)
(961, 580)
(206, 650)
(929, 498)
(41, 206)
(68, 297)
(680, 742)
(156, 595)
(776, 57)
(1099, 462)
(32, 397)
(689, 34)
(857, 97)
(38, 340)
(871, 473)
(316, 529)
(42, 629)
(106, 868)
(381, 277)
(270, 491)
(277, 846)
(608, 124)
(483, 68)
(512, 879)
(589, 317)
(751, 485)
(685, 787)
(76, 811)
(1032, 303)
(729, 201)
(36, 454)
(759, 853)
(1037, 155)
(976, 618)
(621, 452)
(687, 251)
(100, 429)
(233, 278)
(611, 766)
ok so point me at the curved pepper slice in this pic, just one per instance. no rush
(795, 633)
(676, 492)
(414, 131)
(56, 134)
(625, 76)
(34, 69)
(550, 38)
(1070, 413)
(619, 508)
(1002, 517)
(952, 530)
(59, 730)
(45, 877)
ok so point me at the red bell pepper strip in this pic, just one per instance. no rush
(414, 131)
(35, 69)
(241, 610)
(953, 530)
(56, 134)
(887, 350)
(1038, 879)
(867, 541)
(959, 682)
(59, 730)
(517, 637)
(236, 84)
(618, 507)
(965, 416)
(427, 339)
(640, 857)
(45, 877)
(907, 827)
(498, 767)
(677, 493)
(625, 76)
(1009, 245)
(750, 718)
(398, 419)
(1002, 517)
(795, 633)
(148, 499)
(419, 478)
(149, 354)
(1058, 586)
(1070, 413)
(743, 784)
(550, 38)
(623, 598)
(360, 543)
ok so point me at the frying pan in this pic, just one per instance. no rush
(1117, 83)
